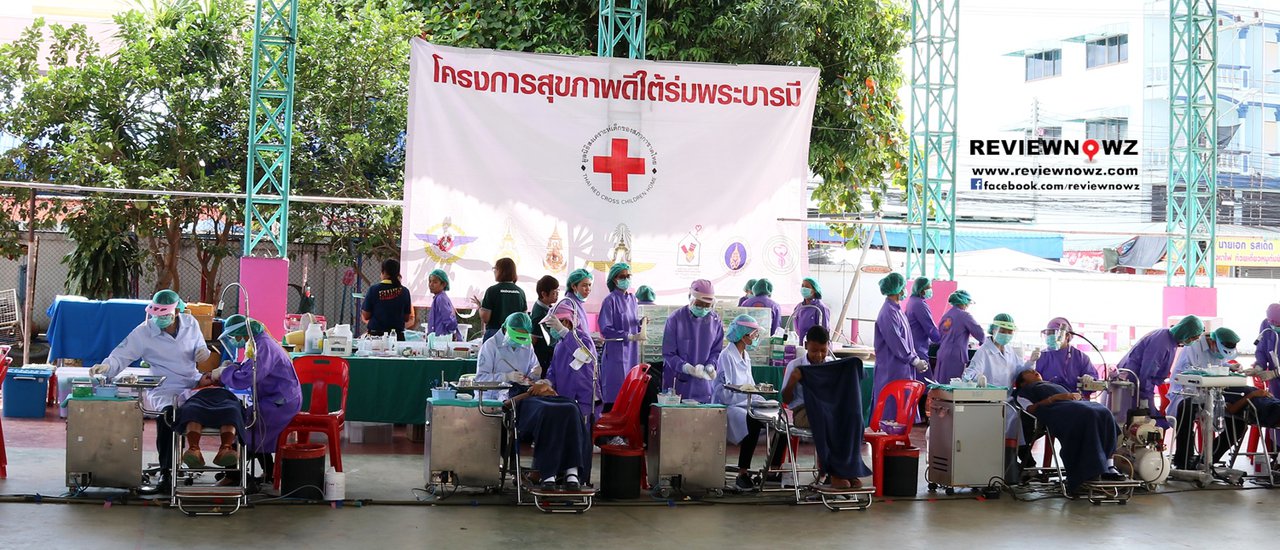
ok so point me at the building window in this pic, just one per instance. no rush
(1044, 132)
(1107, 51)
(1044, 65)
(1112, 128)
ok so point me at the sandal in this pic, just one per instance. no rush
(227, 457)
(193, 458)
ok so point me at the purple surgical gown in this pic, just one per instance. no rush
(279, 396)
(1064, 367)
(618, 320)
(810, 313)
(956, 328)
(694, 341)
(1269, 344)
(442, 320)
(1151, 358)
(579, 309)
(894, 349)
(765, 301)
(923, 331)
(574, 384)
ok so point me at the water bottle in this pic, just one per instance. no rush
(1219, 411)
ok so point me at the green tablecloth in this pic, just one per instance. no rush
(393, 390)
(773, 375)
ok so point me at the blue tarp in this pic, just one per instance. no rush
(1044, 245)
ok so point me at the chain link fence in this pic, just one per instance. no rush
(308, 269)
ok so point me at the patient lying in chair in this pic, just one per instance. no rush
(1086, 430)
(210, 404)
(560, 437)
(1247, 405)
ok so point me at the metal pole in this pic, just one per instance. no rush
(30, 293)
(857, 275)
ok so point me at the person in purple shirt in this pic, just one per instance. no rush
(748, 291)
(1152, 358)
(896, 358)
(920, 317)
(620, 327)
(691, 344)
(1060, 363)
(763, 290)
(573, 364)
(956, 328)
(1267, 354)
(278, 396)
(810, 312)
(442, 320)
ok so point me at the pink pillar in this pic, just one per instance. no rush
(941, 292)
(266, 281)
(1188, 300)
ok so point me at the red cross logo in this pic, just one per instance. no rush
(618, 165)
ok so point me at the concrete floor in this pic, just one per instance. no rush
(385, 475)
(1163, 520)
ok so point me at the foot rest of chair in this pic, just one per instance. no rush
(220, 501)
(1109, 492)
(553, 502)
(852, 498)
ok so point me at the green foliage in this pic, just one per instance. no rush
(106, 259)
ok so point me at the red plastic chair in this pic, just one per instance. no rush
(4, 458)
(906, 394)
(321, 372)
(624, 418)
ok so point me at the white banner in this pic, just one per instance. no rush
(563, 162)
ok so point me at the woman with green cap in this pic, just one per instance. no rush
(576, 290)
(1210, 350)
(764, 290)
(996, 358)
(620, 326)
(748, 291)
(896, 357)
(811, 311)
(1152, 359)
(956, 328)
(923, 332)
(441, 320)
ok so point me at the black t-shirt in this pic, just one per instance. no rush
(502, 300)
(387, 304)
(541, 348)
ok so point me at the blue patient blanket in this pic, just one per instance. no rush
(559, 435)
(833, 401)
(1086, 430)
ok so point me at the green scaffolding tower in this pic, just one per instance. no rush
(266, 211)
(622, 22)
(931, 188)
(1193, 140)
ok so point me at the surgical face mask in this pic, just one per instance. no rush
(806, 292)
(233, 344)
(699, 311)
(1002, 338)
(1051, 341)
(754, 344)
(623, 284)
(928, 293)
(1276, 328)
(164, 321)
(580, 296)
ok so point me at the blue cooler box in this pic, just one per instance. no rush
(25, 391)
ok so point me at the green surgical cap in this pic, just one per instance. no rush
(1227, 337)
(440, 274)
(576, 277)
(750, 286)
(817, 290)
(762, 288)
(1003, 320)
(645, 294)
(920, 285)
(960, 298)
(519, 321)
(892, 284)
(1188, 328)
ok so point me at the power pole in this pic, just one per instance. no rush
(931, 187)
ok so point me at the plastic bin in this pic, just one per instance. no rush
(302, 470)
(620, 471)
(25, 391)
(901, 471)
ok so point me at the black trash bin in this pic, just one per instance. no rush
(901, 471)
(302, 470)
(620, 471)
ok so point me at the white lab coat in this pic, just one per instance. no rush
(733, 368)
(1193, 357)
(498, 358)
(1000, 368)
(797, 394)
(173, 357)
